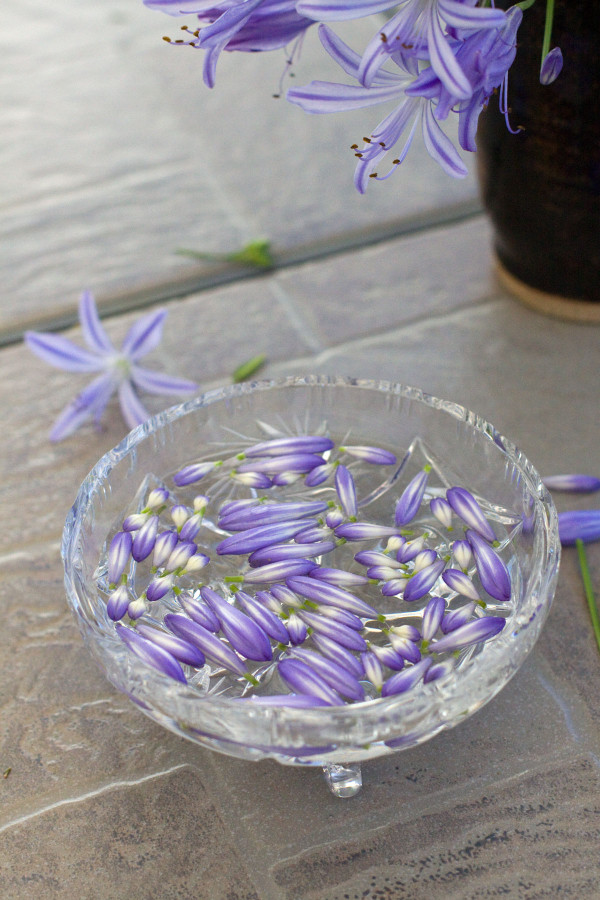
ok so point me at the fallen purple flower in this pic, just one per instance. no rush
(491, 569)
(376, 558)
(408, 550)
(241, 631)
(467, 508)
(135, 521)
(408, 505)
(164, 546)
(438, 670)
(339, 633)
(472, 633)
(577, 484)
(286, 595)
(461, 583)
(334, 517)
(336, 676)
(388, 656)
(177, 647)
(406, 679)
(364, 531)
(346, 490)
(421, 583)
(374, 455)
(212, 648)
(150, 653)
(119, 554)
(373, 668)
(252, 479)
(296, 628)
(423, 559)
(330, 595)
(181, 556)
(319, 474)
(313, 533)
(190, 529)
(461, 551)
(180, 514)
(341, 616)
(199, 612)
(405, 648)
(157, 498)
(303, 679)
(137, 608)
(579, 524)
(394, 587)
(159, 587)
(269, 514)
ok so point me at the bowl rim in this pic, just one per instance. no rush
(380, 710)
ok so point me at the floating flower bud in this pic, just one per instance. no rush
(282, 479)
(232, 507)
(374, 455)
(195, 563)
(118, 603)
(337, 677)
(395, 587)
(472, 633)
(200, 503)
(150, 653)
(373, 669)
(180, 555)
(339, 633)
(252, 479)
(376, 558)
(266, 598)
(259, 537)
(432, 617)
(199, 612)
(467, 508)
(408, 632)
(461, 551)
(342, 656)
(137, 608)
(312, 534)
(278, 571)
(406, 679)
(364, 531)
(334, 517)
(303, 679)
(180, 514)
(290, 445)
(295, 462)
(296, 629)
(285, 595)
(394, 543)
(578, 484)
(157, 498)
(212, 648)
(421, 583)
(338, 577)
(192, 473)
(442, 510)
(164, 546)
(319, 474)
(119, 555)
(190, 529)
(346, 490)
(279, 552)
(330, 595)
(408, 650)
(457, 617)
(342, 616)
(461, 583)
(490, 568)
(135, 521)
(159, 587)
(270, 514)
(408, 505)
(182, 650)
(423, 559)
(388, 657)
(551, 66)
(408, 550)
(242, 632)
(438, 670)
(582, 524)
(298, 701)
(263, 616)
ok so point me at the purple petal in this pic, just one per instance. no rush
(467, 508)
(144, 335)
(551, 66)
(241, 631)
(408, 650)
(62, 353)
(330, 595)
(409, 550)
(432, 617)
(406, 679)
(374, 455)
(312, 534)
(191, 527)
(334, 10)
(252, 479)
(145, 539)
(284, 594)
(442, 510)
(576, 483)
(291, 445)
(118, 603)
(408, 505)
(296, 629)
(472, 633)
(490, 568)
(394, 587)
(119, 554)
(150, 653)
(319, 474)
(423, 581)
(364, 531)
(346, 490)
(423, 559)
(337, 677)
(212, 648)
(269, 514)
(461, 551)
(279, 552)
(135, 521)
(133, 410)
(373, 669)
(93, 331)
(457, 617)
(160, 382)
(263, 616)
(338, 577)
(339, 633)
(195, 472)
(297, 462)
(375, 558)
(342, 616)
(303, 679)
(181, 555)
(159, 587)
(177, 647)
(259, 537)
(199, 612)
(278, 571)
(389, 657)
(338, 654)
(580, 524)
(461, 583)
(90, 402)
(438, 670)
(441, 147)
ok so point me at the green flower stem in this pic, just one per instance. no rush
(589, 591)
(548, 28)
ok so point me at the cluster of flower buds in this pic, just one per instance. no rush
(303, 619)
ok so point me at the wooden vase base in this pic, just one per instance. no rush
(548, 304)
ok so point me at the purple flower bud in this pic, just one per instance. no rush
(294, 462)
(582, 524)
(457, 617)
(408, 550)
(259, 537)
(461, 583)
(252, 479)
(394, 587)
(243, 633)
(157, 498)
(346, 490)
(199, 612)
(290, 445)
(279, 552)
(267, 599)
(388, 657)
(150, 653)
(270, 623)
(339, 633)
(472, 633)
(233, 507)
(438, 670)
(282, 479)
(364, 531)
(373, 455)
(200, 503)
(467, 508)
(190, 529)
(285, 595)
(192, 473)
(442, 510)
(180, 555)
(432, 617)
(551, 66)
(410, 632)
(334, 517)
(180, 514)
(196, 562)
(144, 539)
(408, 505)
(118, 603)
(578, 484)
(342, 656)
(278, 571)
(373, 668)
(296, 629)
(421, 583)
(137, 608)
(319, 474)
(177, 647)
(342, 616)
(384, 573)
(338, 577)
(490, 568)
(408, 650)
(406, 679)
(330, 595)
(269, 514)
(337, 677)
(303, 679)
(461, 550)
(312, 534)
(159, 587)
(212, 648)
(164, 546)
(423, 559)
(135, 521)
(119, 554)
(375, 558)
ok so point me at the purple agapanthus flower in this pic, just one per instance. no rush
(119, 369)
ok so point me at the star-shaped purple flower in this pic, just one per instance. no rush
(119, 369)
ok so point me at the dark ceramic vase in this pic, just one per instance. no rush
(541, 187)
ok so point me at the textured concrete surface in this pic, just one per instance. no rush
(100, 183)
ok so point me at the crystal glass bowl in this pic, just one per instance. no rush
(456, 448)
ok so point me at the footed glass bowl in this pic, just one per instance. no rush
(415, 677)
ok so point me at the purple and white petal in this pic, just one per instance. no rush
(468, 509)
(160, 382)
(406, 679)
(330, 595)
(133, 410)
(279, 552)
(212, 648)
(296, 628)
(421, 583)
(442, 510)
(364, 531)
(192, 473)
(159, 587)
(461, 551)
(312, 534)
(341, 634)
(338, 577)
(578, 484)
(290, 446)
(579, 524)
(432, 617)
(373, 669)
(408, 650)
(180, 514)
(395, 587)
(341, 655)
(150, 653)
(461, 583)
(144, 539)
(305, 680)
(252, 479)
(346, 490)
(62, 353)
(144, 335)
(191, 527)
(455, 618)
(337, 677)
(119, 555)
(295, 462)
(269, 514)
(182, 650)
(376, 558)
(408, 550)
(438, 670)
(262, 536)
(135, 521)
(90, 402)
(284, 594)
(279, 571)
(241, 631)
(551, 66)
(374, 455)
(423, 559)
(491, 569)
(137, 608)
(199, 612)
(388, 657)
(118, 603)
(472, 633)
(410, 501)
(319, 474)
(156, 499)
(263, 616)
(93, 331)
(181, 555)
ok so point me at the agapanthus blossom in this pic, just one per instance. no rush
(119, 369)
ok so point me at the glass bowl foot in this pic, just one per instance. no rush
(343, 781)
